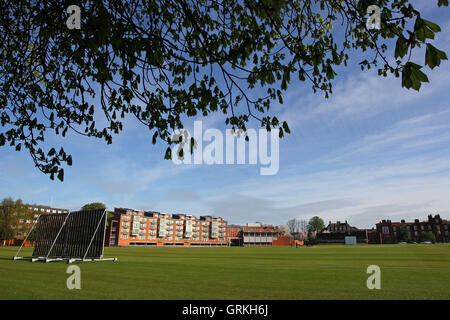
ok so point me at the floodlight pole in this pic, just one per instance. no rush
(26, 238)
(93, 236)
(57, 236)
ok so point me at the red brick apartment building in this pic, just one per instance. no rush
(24, 220)
(135, 227)
(388, 231)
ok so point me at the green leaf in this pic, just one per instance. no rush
(286, 127)
(433, 56)
(51, 152)
(412, 77)
(401, 48)
(168, 154)
(61, 174)
(433, 26)
(425, 29)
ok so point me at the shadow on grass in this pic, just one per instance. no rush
(2, 258)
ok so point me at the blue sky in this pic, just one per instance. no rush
(372, 151)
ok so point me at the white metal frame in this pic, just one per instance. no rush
(69, 260)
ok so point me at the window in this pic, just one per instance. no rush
(415, 227)
(422, 227)
(385, 229)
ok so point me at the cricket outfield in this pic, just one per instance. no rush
(410, 271)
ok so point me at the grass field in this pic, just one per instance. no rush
(320, 272)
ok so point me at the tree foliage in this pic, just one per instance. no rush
(403, 234)
(427, 236)
(99, 205)
(163, 61)
(293, 225)
(93, 206)
(284, 230)
(297, 226)
(11, 212)
(315, 224)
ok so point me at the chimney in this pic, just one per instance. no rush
(403, 221)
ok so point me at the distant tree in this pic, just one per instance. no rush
(32, 235)
(427, 236)
(298, 228)
(284, 229)
(302, 236)
(98, 205)
(6, 231)
(311, 237)
(11, 211)
(315, 224)
(303, 226)
(403, 234)
(93, 206)
(293, 225)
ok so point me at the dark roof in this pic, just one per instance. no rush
(336, 226)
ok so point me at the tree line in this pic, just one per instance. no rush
(301, 229)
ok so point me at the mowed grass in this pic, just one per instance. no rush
(319, 272)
